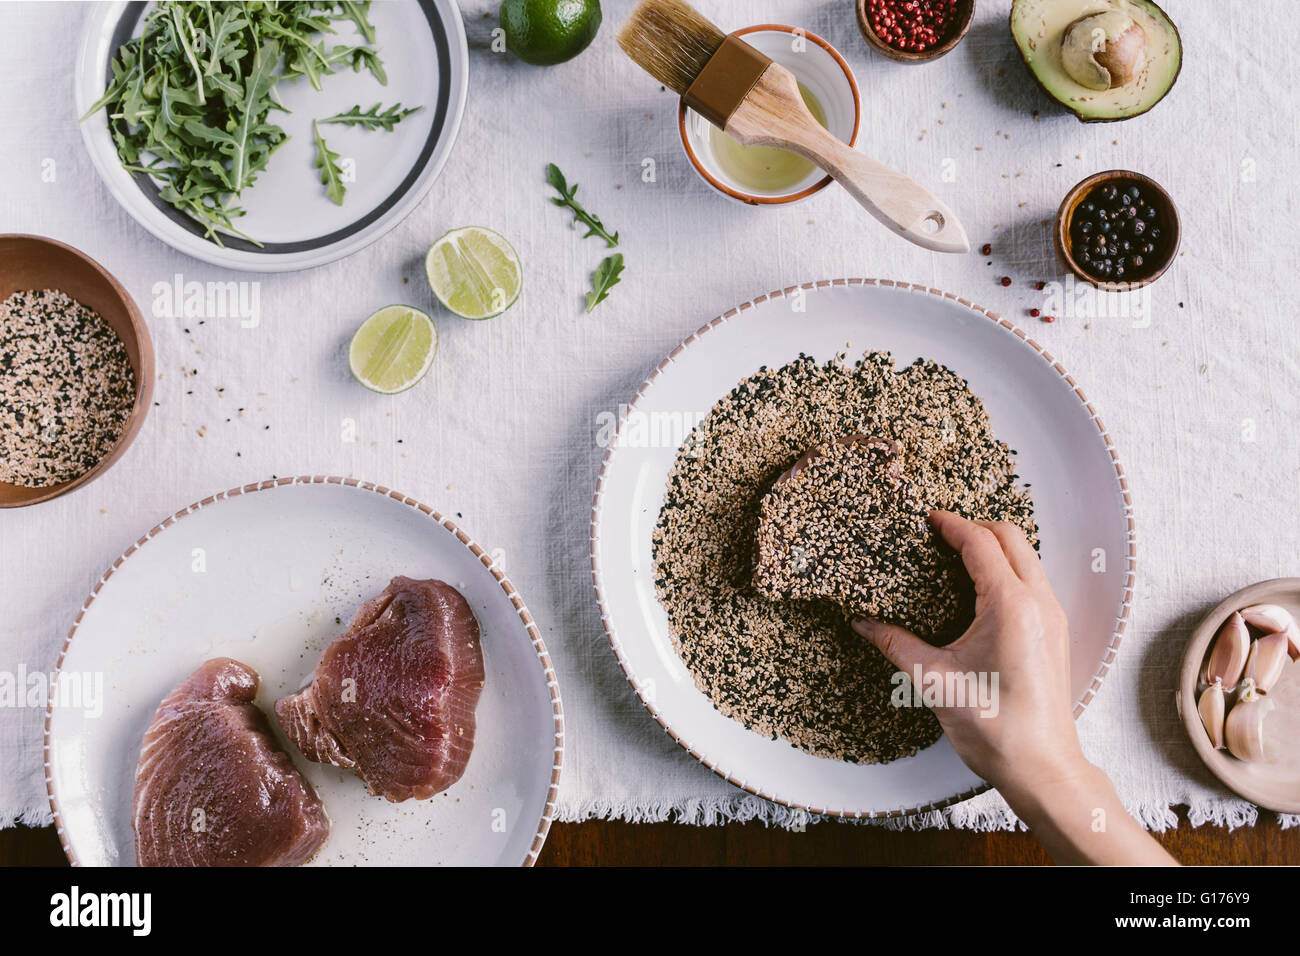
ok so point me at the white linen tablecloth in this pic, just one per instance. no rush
(1201, 401)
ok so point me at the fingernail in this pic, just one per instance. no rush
(864, 626)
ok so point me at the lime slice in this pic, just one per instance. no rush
(393, 349)
(474, 272)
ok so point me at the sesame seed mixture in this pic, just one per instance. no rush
(792, 669)
(66, 388)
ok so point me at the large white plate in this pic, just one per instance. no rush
(269, 574)
(425, 54)
(1081, 503)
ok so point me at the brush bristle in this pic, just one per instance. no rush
(670, 40)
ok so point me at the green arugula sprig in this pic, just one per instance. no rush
(603, 279)
(190, 99)
(567, 198)
(364, 58)
(371, 118)
(331, 175)
(359, 13)
(610, 270)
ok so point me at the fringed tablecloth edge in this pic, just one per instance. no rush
(980, 814)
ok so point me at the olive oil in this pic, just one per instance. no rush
(764, 168)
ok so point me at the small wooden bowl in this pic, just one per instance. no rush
(965, 13)
(34, 262)
(1273, 783)
(1165, 252)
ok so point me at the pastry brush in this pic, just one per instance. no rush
(757, 102)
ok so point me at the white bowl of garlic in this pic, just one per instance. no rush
(1239, 693)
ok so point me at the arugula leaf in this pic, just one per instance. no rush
(254, 107)
(327, 162)
(225, 44)
(371, 119)
(185, 35)
(364, 58)
(567, 199)
(603, 279)
(358, 13)
(122, 75)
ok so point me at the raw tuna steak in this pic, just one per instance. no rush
(394, 697)
(213, 789)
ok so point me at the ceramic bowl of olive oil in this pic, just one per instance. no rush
(764, 175)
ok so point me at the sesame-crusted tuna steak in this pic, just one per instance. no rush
(213, 788)
(393, 699)
(844, 525)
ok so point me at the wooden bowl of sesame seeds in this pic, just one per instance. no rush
(34, 264)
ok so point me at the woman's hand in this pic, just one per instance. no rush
(1025, 743)
(1020, 639)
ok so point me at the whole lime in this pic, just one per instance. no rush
(544, 32)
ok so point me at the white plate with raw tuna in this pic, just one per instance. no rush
(271, 575)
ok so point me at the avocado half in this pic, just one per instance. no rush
(1040, 29)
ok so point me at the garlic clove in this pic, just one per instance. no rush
(1244, 729)
(1229, 652)
(1268, 656)
(1269, 618)
(1293, 643)
(1211, 708)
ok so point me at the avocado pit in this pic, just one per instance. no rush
(1104, 51)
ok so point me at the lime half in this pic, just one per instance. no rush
(393, 349)
(474, 272)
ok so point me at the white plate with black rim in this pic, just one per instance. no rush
(425, 55)
(269, 574)
(1081, 503)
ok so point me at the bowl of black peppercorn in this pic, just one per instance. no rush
(1117, 230)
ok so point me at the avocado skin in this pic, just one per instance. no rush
(1084, 117)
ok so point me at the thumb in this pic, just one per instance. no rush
(903, 648)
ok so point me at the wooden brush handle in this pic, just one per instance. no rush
(774, 114)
